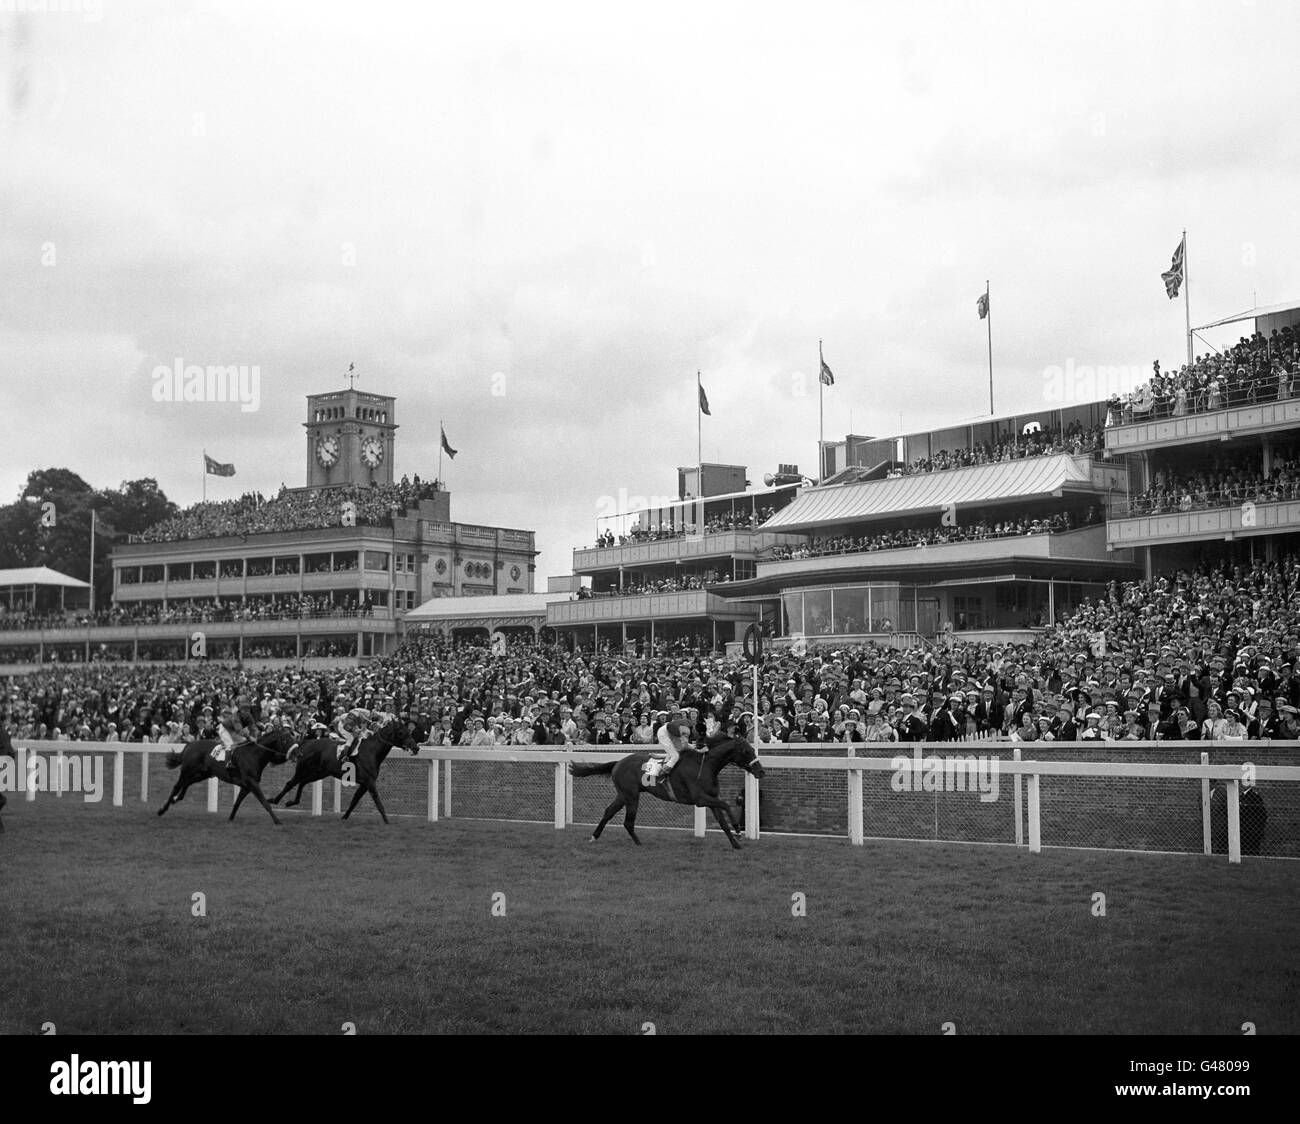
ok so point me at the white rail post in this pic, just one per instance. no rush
(431, 791)
(32, 757)
(119, 776)
(1035, 826)
(317, 793)
(1206, 843)
(699, 823)
(568, 795)
(855, 803)
(1018, 800)
(559, 795)
(751, 806)
(59, 777)
(213, 791)
(1234, 821)
(446, 789)
(338, 795)
(144, 776)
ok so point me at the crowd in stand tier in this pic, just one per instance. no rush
(1227, 481)
(714, 525)
(292, 607)
(1074, 439)
(1258, 368)
(632, 588)
(939, 535)
(1205, 654)
(298, 510)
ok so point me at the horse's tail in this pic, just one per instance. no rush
(592, 770)
(172, 760)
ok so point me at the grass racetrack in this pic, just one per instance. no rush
(320, 923)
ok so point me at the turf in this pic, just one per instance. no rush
(320, 923)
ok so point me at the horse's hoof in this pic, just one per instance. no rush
(591, 839)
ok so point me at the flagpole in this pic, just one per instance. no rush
(441, 436)
(988, 316)
(205, 476)
(821, 415)
(699, 438)
(1187, 299)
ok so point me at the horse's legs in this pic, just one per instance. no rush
(374, 795)
(177, 794)
(239, 800)
(629, 819)
(287, 785)
(356, 797)
(721, 815)
(297, 796)
(610, 812)
(256, 789)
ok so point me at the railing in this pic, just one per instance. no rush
(1232, 395)
(910, 764)
(1201, 500)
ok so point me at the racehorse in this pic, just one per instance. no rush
(243, 767)
(693, 780)
(6, 750)
(319, 758)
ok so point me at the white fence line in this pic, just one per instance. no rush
(909, 755)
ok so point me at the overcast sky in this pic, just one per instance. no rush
(537, 221)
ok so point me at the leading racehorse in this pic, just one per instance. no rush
(243, 767)
(319, 758)
(694, 780)
(6, 750)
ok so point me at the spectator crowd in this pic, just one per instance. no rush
(938, 535)
(1257, 368)
(1208, 653)
(1225, 482)
(714, 525)
(299, 509)
(1074, 439)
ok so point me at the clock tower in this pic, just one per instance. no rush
(349, 438)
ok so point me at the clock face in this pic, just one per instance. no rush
(327, 450)
(372, 452)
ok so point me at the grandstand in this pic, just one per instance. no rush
(323, 571)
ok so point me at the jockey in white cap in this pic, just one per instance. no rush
(674, 736)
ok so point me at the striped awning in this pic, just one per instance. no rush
(1031, 478)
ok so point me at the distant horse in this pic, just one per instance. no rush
(242, 767)
(6, 750)
(693, 780)
(319, 758)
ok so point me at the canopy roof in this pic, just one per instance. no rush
(39, 575)
(1254, 314)
(1031, 478)
(486, 605)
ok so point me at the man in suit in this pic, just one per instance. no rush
(912, 728)
(1064, 728)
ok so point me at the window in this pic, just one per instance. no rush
(377, 560)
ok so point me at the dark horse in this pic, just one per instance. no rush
(6, 750)
(242, 767)
(694, 780)
(319, 758)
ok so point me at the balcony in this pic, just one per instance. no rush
(380, 619)
(723, 544)
(1245, 420)
(1088, 544)
(641, 607)
(1238, 520)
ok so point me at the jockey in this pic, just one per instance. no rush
(351, 728)
(674, 736)
(234, 728)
